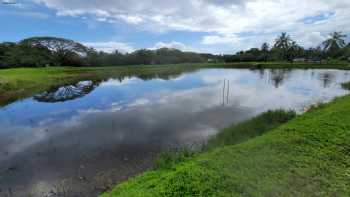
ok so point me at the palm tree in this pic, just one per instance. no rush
(265, 50)
(334, 43)
(294, 50)
(283, 43)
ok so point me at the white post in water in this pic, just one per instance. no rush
(228, 90)
(223, 93)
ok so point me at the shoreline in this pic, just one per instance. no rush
(303, 149)
(19, 83)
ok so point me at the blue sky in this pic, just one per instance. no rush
(216, 26)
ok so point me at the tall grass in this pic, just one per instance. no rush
(169, 159)
(234, 134)
(249, 129)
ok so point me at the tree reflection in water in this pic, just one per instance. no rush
(327, 79)
(66, 93)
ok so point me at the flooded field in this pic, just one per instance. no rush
(79, 139)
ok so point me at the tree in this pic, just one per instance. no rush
(18, 55)
(334, 44)
(142, 56)
(2, 55)
(92, 57)
(314, 53)
(67, 52)
(294, 50)
(346, 53)
(283, 42)
(265, 50)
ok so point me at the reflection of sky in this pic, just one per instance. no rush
(191, 103)
(133, 118)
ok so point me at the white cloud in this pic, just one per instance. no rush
(131, 19)
(110, 47)
(220, 39)
(226, 21)
(311, 39)
(173, 45)
(31, 14)
(140, 102)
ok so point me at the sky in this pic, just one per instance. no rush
(208, 26)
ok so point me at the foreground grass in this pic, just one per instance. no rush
(308, 156)
(23, 82)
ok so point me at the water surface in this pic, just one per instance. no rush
(79, 139)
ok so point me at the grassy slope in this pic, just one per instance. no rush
(308, 156)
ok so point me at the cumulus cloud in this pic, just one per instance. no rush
(311, 39)
(220, 39)
(173, 45)
(226, 21)
(110, 47)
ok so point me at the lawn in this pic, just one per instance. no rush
(307, 156)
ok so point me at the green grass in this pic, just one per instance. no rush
(249, 129)
(23, 82)
(169, 159)
(307, 156)
(234, 134)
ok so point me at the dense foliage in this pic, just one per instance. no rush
(286, 49)
(51, 51)
(145, 56)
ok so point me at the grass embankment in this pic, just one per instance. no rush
(307, 156)
(23, 82)
(250, 129)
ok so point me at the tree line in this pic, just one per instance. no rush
(52, 51)
(285, 48)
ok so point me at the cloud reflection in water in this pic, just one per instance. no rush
(135, 117)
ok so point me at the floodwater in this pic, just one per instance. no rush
(78, 140)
